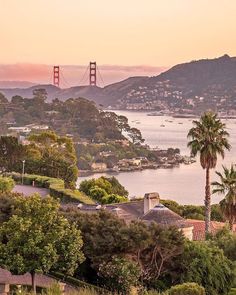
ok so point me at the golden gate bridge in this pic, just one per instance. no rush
(92, 73)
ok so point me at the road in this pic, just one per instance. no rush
(28, 190)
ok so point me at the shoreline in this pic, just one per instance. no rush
(172, 115)
(85, 173)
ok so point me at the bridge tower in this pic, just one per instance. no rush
(56, 76)
(93, 74)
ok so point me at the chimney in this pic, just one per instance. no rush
(150, 201)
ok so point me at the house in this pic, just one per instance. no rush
(20, 129)
(199, 228)
(99, 166)
(149, 209)
(130, 162)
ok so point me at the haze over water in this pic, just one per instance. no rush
(184, 184)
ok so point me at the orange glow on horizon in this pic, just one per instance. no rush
(126, 32)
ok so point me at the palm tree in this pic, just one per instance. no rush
(227, 186)
(209, 139)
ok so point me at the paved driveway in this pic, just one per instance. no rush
(29, 190)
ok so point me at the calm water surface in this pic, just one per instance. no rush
(184, 184)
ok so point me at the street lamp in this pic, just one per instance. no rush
(23, 172)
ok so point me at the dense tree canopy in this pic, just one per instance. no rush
(77, 116)
(206, 265)
(153, 249)
(37, 238)
(47, 154)
(11, 153)
(104, 190)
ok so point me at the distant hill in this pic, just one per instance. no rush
(197, 85)
(208, 83)
(16, 84)
(202, 73)
(28, 92)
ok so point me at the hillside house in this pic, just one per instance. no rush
(149, 210)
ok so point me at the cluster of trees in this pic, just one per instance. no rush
(104, 190)
(90, 153)
(46, 154)
(36, 238)
(120, 256)
(77, 116)
(194, 211)
(36, 235)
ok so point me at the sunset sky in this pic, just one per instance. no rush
(112, 32)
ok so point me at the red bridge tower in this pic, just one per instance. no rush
(93, 74)
(56, 76)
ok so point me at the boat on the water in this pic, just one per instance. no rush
(155, 114)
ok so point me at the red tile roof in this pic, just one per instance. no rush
(199, 228)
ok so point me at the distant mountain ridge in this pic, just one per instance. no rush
(186, 85)
(16, 84)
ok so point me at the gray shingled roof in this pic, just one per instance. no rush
(164, 216)
(135, 210)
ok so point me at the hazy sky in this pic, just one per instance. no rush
(120, 32)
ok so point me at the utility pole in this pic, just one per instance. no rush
(23, 172)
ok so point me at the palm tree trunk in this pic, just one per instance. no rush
(207, 203)
(33, 282)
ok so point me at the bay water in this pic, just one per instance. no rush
(184, 184)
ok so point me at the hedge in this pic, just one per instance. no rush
(55, 186)
(187, 289)
(78, 283)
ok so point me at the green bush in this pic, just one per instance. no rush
(56, 187)
(105, 190)
(120, 274)
(113, 198)
(97, 193)
(205, 264)
(6, 184)
(187, 289)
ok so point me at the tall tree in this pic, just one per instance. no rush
(227, 186)
(52, 155)
(208, 138)
(3, 98)
(11, 153)
(40, 94)
(37, 238)
(135, 135)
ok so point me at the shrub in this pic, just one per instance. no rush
(6, 184)
(113, 198)
(187, 289)
(104, 190)
(97, 193)
(205, 264)
(120, 273)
